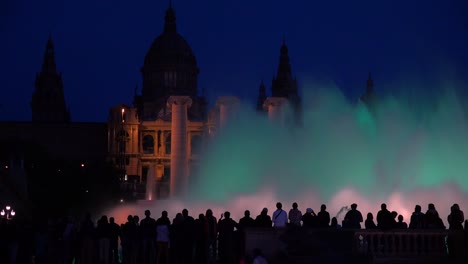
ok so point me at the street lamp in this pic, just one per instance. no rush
(8, 212)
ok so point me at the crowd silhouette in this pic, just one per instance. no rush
(185, 239)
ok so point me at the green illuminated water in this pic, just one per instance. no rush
(395, 147)
(402, 152)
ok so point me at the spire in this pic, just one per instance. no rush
(48, 64)
(284, 48)
(370, 84)
(48, 101)
(283, 84)
(170, 25)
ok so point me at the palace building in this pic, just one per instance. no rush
(156, 142)
(159, 138)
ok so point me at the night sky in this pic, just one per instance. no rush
(100, 46)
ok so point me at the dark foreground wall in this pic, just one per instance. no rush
(53, 165)
(358, 246)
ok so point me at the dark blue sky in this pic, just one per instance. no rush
(100, 46)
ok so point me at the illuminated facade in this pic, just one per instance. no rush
(168, 124)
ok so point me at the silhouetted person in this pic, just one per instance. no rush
(309, 219)
(323, 217)
(162, 238)
(201, 235)
(244, 222)
(433, 221)
(384, 218)
(189, 239)
(177, 239)
(353, 218)
(148, 236)
(129, 237)
(295, 215)
(114, 233)
(417, 220)
(455, 218)
(212, 235)
(401, 224)
(334, 223)
(137, 242)
(263, 219)
(103, 234)
(369, 223)
(279, 217)
(226, 239)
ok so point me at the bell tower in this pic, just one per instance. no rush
(48, 100)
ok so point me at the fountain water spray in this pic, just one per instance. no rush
(398, 153)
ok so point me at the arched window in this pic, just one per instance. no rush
(122, 138)
(148, 144)
(196, 144)
(168, 144)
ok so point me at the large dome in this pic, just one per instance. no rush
(170, 67)
(169, 49)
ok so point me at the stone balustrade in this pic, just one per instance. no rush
(358, 246)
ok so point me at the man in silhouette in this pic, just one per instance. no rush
(246, 221)
(114, 240)
(263, 219)
(384, 218)
(226, 239)
(148, 233)
(417, 219)
(162, 238)
(295, 215)
(189, 236)
(212, 235)
(280, 218)
(353, 218)
(323, 217)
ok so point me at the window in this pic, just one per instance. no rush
(148, 144)
(168, 144)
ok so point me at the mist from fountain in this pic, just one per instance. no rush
(400, 152)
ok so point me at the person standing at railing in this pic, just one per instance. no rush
(323, 217)
(417, 219)
(433, 221)
(401, 224)
(384, 218)
(369, 223)
(455, 218)
(280, 218)
(353, 218)
(295, 216)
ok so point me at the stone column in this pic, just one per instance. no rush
(179, 154)
(275, 107)
(227, 106)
